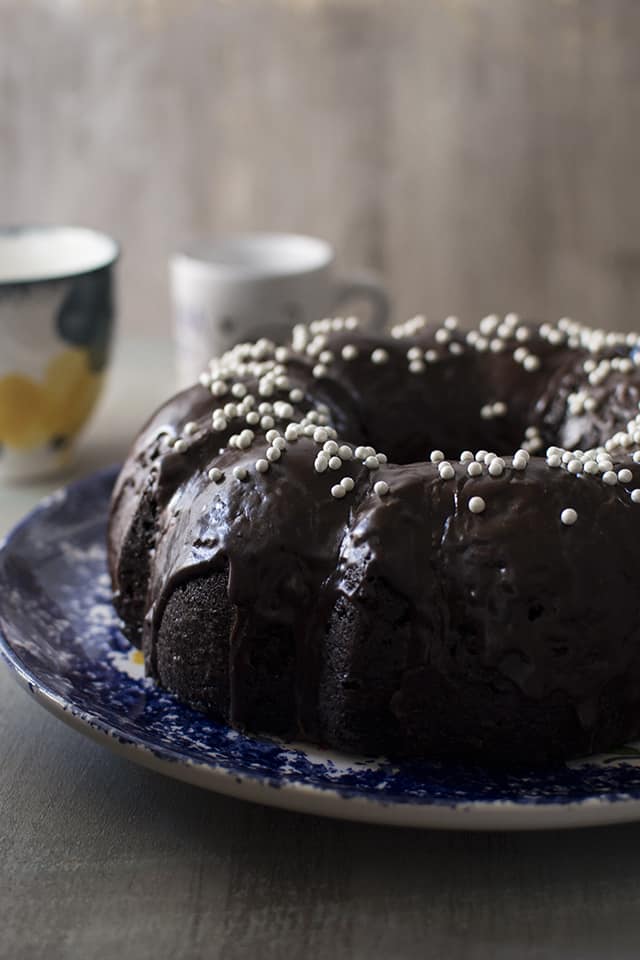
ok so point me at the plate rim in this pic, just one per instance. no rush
(298, 795)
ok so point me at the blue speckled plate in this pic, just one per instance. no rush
(61, 637)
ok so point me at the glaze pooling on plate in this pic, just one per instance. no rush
(62, 637)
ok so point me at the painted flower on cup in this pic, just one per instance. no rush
(33, 413)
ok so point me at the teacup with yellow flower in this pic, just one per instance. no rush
(56, 323)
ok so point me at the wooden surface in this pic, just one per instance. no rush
(482, 154)
(101, 859)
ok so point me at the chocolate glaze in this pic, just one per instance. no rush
(402, 623)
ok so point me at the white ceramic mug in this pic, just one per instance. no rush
(255, 285)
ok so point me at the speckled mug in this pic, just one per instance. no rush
(251, 285)
(56, 320)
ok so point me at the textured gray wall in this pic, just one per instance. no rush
(482, 154)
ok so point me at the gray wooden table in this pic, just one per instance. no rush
(103, 859)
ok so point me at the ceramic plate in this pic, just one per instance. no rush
(61, 637)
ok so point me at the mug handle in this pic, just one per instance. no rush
(362, 283)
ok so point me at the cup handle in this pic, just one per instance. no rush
(362, 283)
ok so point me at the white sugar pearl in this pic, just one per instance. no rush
(265, 408)
(292, 432)
(180, 445)
(273, 454)
(347, 483)
(371, 463)
(381, 457)
(219, 424)
(451, 323)
(279, 443)
(431, 356)
(219, 388)
(496, 345)
(625, 476)
(636, 456)
(361, 452)
(476, 504)
(591, 467)
(296, 395)
(416, 366)
(335, 463)
(474, 469)
(496, 467)
(320, 435)
(555, 460)
(635, 495)
(267, 422)
(215, 475)
(240, 473)
(230, 410)
(480, 455)
(284, 411)
(345, 452)
(379, 356)
(531, 363)
(190, 428)
(338, 491)
(465, 456)
(442, 336)
(321, 463)
(456, 349)
(523, 453)
(330, 447)
(499, 409)
(381, 487)
(609, 478)
(574, 466)
(349, 352)
(568, 516)
(253, 418)
(519, 463)
(446, 471)
(262, 466)
(414, 353)
(319, 371)
(271, 435)
(436, 456)
(326, 356)
(489, 323)
(522, 334)
(239, 390)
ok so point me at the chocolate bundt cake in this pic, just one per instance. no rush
(316, 540)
